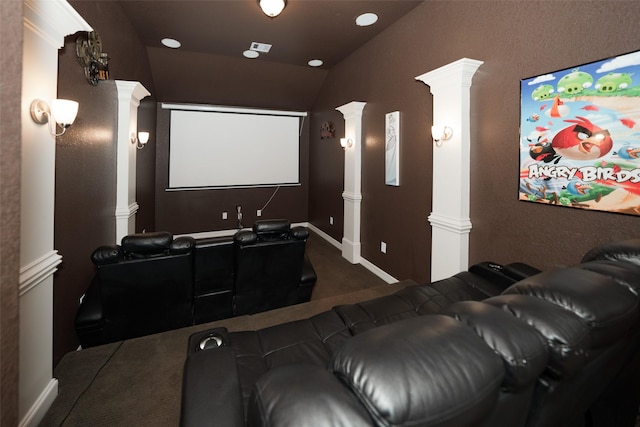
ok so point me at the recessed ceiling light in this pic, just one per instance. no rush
(250, 54)
(315, 62)
(366, 19)
(172, 43)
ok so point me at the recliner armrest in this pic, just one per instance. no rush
(520, 271)
(309, 275)
(182, 245)
(300, 233)
(209, 374)
(89, 321)
(90, 310)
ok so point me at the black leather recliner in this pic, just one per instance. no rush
(271, 269)
(153, 283)
(141, 287)
(555, 349)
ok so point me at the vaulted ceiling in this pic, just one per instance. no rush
(209, 67)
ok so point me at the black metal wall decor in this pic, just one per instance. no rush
(90, 55)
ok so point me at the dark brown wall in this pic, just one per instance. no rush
(515, 40)
(201, 210)
(86, 160)
(326, 174)
(11, 34)
(263, 84)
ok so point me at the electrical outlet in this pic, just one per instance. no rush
(383, 247)
(258, 212)
(330, 220)
(224, 215)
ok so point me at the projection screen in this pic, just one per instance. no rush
(233, 148)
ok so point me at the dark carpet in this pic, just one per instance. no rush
(138, 382)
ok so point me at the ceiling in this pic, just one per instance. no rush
(214, 34)
(306, 29)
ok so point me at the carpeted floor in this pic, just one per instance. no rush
(138, 382)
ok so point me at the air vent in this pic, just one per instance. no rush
(260, 47)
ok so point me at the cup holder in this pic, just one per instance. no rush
(210, 341)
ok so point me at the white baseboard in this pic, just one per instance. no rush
(38, 410)
(324, 235)
(378, 271)
(366, 264)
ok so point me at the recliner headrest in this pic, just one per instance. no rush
(522, 348)
(388, 367)
(147, 243)
(626, 250)
(272, 229)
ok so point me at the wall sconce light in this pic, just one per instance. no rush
(440, 133)
(141, 140)
(272, 8)
(346, 143)
(62, 113)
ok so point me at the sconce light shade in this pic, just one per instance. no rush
(346, 143)
(143, 137)
(272, 8)
(141, 140)
(62, 112)
(441, 133)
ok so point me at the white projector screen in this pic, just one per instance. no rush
(210, 149)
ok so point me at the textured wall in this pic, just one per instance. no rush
(515, 40)
(10, 138)
(86, 160)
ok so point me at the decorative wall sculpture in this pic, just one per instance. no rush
(90, 55)
(392, 148)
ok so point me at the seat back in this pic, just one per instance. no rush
(590, 322)
(428, 371)
(146, 284)
(268, 266)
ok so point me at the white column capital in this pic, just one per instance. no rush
(352, 109)
(460, 71)
(131, 91)
(53, 20)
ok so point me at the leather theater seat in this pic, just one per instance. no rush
(153, 283)
(141, 287)
(271, 269)
(555, 349)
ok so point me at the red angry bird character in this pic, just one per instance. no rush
(583, 141)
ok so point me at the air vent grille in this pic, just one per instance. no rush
(260, 47)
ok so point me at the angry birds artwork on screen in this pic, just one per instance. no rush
(580, 136)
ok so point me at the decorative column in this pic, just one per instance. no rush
(46, 23)
(352, 194)
(129, 96)
(449, 218)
